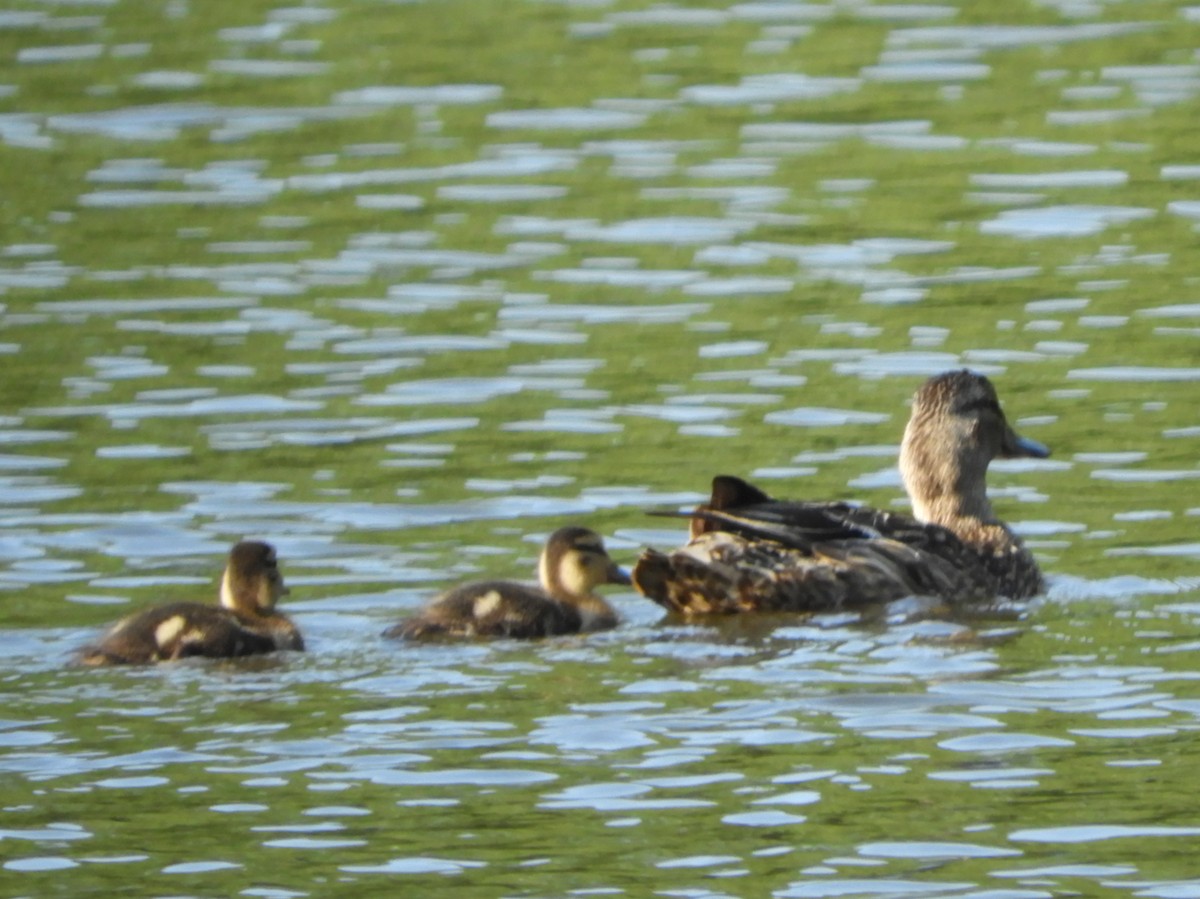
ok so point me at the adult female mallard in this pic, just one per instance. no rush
(749, 552)
(572, 564)
(245, 623)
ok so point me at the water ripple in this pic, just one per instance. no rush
(1091, 833)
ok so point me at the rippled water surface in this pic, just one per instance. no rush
(402, 287)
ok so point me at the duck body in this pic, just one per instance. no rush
(246, 622)
(501, 609)
(180, 630)
(748, 564)
(572, 564)
(750, 552)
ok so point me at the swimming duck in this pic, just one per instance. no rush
(750, 552)
(245, 623)
(572, 564)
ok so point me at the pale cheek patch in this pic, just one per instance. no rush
(169, 630)
(576, 577)
(227, 599)
(487, 604)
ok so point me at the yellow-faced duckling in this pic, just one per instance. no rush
(749, 552)
(245, 623)
(573, 563)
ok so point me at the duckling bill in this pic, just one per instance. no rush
(572, 564)
(245, 623)
(750, 552)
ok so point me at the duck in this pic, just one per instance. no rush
(572, 564)
(750, 552)
(245, 623)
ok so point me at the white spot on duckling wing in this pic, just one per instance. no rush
(169, 630)
(194, 637)
(487, 604)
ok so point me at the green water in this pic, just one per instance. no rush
(402, 287)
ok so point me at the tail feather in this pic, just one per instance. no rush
(730, 492)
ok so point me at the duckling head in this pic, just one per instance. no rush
(574, 562)
(956, 429)
(252, 581)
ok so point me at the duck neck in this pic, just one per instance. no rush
(945, 491)
(570, 587)
(238, 598)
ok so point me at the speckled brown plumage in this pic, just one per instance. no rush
(572, 564)
(246, 622)
(749, 552)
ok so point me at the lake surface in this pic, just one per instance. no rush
(403, 287)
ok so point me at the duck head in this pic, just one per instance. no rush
(575, 562)
(956, 429)
(252, 582)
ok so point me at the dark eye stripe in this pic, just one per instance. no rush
(980, 405)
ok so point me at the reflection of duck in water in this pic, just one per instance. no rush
(245, 623)
(573, 563)
(749, 552)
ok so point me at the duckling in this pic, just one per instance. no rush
(750, 552)
(245, 623)
(572, 564)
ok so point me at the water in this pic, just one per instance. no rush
(404, 287)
